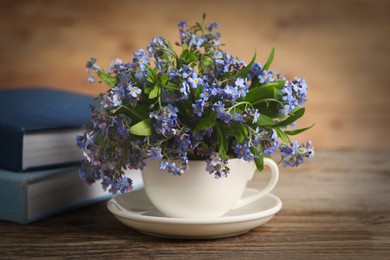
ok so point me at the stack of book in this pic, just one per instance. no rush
(39, 158)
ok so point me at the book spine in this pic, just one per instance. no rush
(13, 201)
(11, 148)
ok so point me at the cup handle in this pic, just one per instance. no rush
(270, 185)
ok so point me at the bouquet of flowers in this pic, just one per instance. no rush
(191, 101)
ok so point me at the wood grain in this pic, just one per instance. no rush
(336, 206)
(340, 47)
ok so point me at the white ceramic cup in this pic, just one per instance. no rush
(198, 194)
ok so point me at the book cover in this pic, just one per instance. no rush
(38, 127)
(28, 197)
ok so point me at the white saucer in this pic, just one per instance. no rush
(135, 210)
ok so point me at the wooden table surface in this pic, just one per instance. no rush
(337, 205)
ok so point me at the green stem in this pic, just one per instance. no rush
(267, 100)
(239, 104)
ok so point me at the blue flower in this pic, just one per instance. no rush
(221, 113)
(182, 24)
(173, 169)
(225, 117)
(114, 64)
(155, 153)
(106, 101)
(198, 107)
(106, 182)
(207, 92)
(255, 114)
(293, 154)
(238, 117)
(141, 59)
(116, 100)
(218, 107)
(254, 71)
(270, 146)
(186, 71)
(265, 76)
(121, 129)
(157, 44)
(141, 76)
(231, 91)
(194, 80)
(240, 82)
(91, 79)
(299, 87)
(215, 165)
(242, 87)
(81, 141)
(165, 120)
(293, 94)
(287, 151)
(219, 57)
(184, 142)
(172, 111)
(91, 64)
(215, 160)
(242, 150)
(196, 41)
(84, 140)
(122, 185)
(182, 30)
(134, 91)
(212, 26)
(185, 89)
(174, 74)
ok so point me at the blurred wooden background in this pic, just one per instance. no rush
(340, 47)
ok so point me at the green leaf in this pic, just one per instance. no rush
(198, 91)
(222, 142)
(295, 115)
(259, 163)
(164, 79)
(109, 80)
(147, 90)
(297, 131)
(184, 53)
(270, 109)
(171, 86)
(264, 120)
(149, 79)
(154, 92)
(207, 61)
(152, 75)
(240, 128)
(169, 44)
(142, 128)
(277, 84)
(265, 99)
(240, 137)
(191, 57)
(270, 59)
(242, 73)
(205, 123)
(282, 136)
(266, 92)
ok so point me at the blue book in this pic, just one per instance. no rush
(28, 197)
(38, 127)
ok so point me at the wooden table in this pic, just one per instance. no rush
(337, 205)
